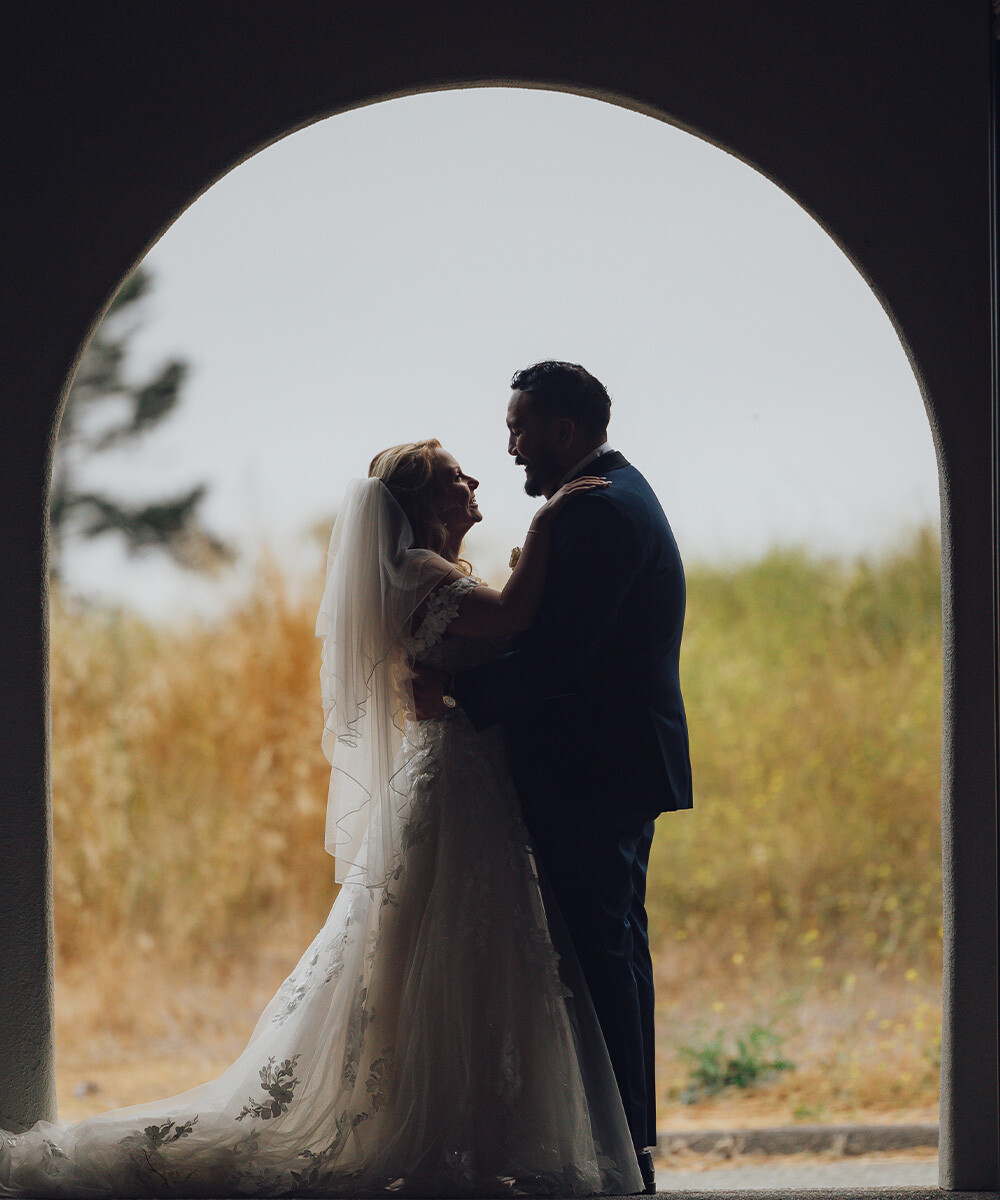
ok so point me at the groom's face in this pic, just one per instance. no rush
(532, 442)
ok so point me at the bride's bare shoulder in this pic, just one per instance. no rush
(449, 575)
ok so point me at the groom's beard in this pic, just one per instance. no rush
(543, 471)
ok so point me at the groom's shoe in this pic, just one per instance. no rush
(646, 1169)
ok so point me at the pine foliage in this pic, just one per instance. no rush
(106, 409)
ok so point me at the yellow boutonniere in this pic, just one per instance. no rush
(515, 554)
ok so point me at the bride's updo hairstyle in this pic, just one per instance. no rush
(411, 474)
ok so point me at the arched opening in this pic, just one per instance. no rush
(840, 110)
(670, 340)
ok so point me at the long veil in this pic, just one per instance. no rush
(375, 580)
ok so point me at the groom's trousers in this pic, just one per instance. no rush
(597, 872)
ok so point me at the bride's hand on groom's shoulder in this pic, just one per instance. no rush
(558, 500)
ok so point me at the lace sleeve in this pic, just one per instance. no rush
(442, 609)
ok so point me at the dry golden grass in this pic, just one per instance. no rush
(189, 788)
(803, 891)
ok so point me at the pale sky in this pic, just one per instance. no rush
(379, 276)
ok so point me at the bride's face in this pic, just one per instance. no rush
(455, 504)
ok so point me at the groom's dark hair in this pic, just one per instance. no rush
(560, 389)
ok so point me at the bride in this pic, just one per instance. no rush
(437, 1037)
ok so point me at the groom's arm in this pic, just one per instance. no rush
(592, 560)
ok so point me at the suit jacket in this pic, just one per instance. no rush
(591, 695)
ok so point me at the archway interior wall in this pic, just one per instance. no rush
(875, 123)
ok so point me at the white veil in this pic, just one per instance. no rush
(375, 578)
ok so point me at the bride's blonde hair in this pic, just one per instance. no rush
(411, 473)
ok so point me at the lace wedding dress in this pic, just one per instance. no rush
(429, 1042)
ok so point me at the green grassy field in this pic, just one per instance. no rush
(804, 890)
(802, 893)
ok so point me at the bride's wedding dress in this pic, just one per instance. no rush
(429, 1042)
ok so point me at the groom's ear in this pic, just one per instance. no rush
(565, 431)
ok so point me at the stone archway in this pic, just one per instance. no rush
(860, 114)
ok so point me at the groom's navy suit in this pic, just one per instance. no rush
(592, 706)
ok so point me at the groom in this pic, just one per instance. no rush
(591, 703)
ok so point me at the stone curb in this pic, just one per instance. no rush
(847, 1140)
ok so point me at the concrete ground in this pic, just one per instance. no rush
(902, 1192)
(776, 1175)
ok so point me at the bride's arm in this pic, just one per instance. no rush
(485, 612)
(593, 560)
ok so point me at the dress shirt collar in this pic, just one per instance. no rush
(604, 448)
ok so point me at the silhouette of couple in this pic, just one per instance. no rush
(476, 1016)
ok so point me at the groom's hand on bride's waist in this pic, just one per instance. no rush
(429, 693)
